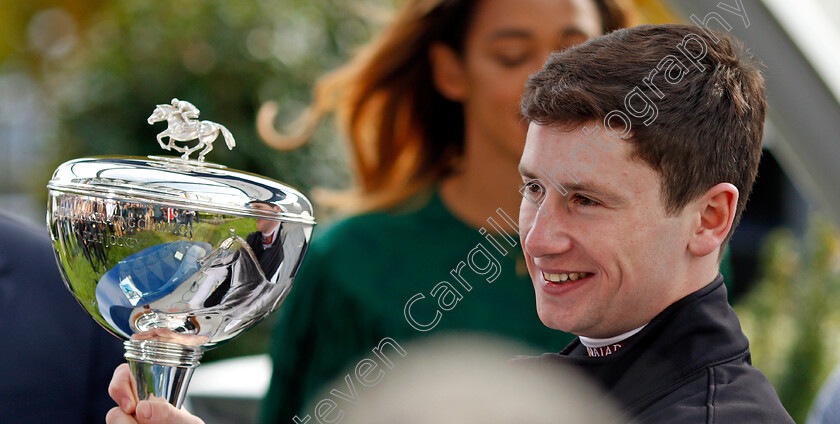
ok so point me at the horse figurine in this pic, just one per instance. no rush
(182, 117)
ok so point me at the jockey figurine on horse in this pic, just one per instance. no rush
(187, 110)
(182, 117)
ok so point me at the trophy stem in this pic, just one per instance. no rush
(162, 369)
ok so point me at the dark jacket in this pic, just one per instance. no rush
(690, 364)
(55, 361)
(269, 258)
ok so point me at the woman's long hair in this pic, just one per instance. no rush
(403, 134)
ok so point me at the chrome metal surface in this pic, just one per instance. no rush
(175, 183)
(174, 256)
(162, 369)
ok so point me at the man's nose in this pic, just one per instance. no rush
(548, 234)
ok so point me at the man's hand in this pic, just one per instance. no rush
(130, 411)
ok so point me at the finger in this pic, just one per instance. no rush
(117, 416)
(158, 411)
(122, 389)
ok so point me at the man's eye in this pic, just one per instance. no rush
(533, 187)
(585, 201)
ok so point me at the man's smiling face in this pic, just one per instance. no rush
(610, 233)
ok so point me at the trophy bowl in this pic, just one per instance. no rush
(172, 255)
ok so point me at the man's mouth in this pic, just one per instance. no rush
(564, 277)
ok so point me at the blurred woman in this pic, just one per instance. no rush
(430, 109)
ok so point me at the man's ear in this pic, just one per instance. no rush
(716, 212)
(448, 72)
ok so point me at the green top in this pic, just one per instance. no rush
(356, 279)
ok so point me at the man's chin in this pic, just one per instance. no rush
(559, 325)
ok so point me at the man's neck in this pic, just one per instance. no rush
(700, 273)
(683, 285)
(601, 342)
(269, 237)
(604, 347)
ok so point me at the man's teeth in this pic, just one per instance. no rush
(562, 278)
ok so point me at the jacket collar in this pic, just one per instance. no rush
(692, 334)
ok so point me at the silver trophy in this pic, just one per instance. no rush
(175, 256)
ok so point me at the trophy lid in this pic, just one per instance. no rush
(184, 182)
(173, 182)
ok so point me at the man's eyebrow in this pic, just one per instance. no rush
(598, 192)
(582, 186)
(525, 172)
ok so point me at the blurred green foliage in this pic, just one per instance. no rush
(791, 311)
(102, 66)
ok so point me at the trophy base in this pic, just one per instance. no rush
(162, 369)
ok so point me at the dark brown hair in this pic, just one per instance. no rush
(403, 134)
(708, 120)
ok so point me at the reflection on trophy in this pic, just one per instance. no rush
(175, 256)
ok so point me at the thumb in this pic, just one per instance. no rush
(158, 411)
